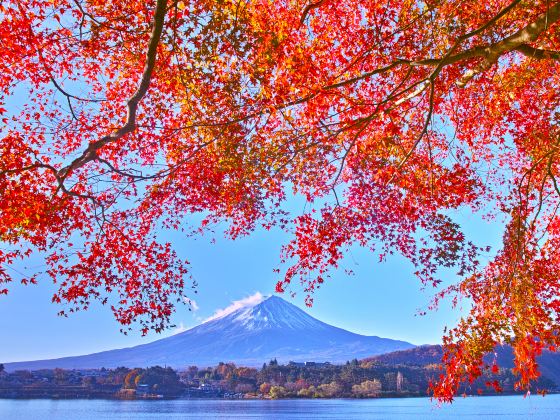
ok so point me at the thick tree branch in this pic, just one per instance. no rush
(132, 105)
(524, 36)
(490, 53)
(440, 62)
(537, 53)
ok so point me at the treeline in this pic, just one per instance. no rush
(366, 379)
(103, 383)
(355, 379)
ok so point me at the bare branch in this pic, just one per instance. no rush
(69, 95)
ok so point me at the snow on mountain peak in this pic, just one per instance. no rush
(272, 312)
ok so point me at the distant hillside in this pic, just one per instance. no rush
(249, 336)
(549, 362)
(417, 356)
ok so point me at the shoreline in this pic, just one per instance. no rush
(182, 398)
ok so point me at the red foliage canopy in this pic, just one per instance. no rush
(122, 118)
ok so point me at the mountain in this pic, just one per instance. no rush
(249, 336)
(549, 362)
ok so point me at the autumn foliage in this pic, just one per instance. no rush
(122, 118)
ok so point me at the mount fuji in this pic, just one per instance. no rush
(248, 336)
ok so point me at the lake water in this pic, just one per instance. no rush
(482, 408)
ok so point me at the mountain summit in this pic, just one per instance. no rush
(248, 336)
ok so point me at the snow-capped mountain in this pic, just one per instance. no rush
(248, 336)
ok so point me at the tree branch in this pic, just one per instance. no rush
(308, 9)
(490, 53)
(537, 53)
(132, 105)
(526, 35)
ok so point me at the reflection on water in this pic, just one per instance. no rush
(508, 407)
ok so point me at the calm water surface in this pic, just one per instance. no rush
(503, 408)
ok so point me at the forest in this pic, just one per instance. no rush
(355, 379)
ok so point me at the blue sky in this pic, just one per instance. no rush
(380, 299)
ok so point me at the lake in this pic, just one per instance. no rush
(504, 407)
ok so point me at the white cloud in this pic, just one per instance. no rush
(252, 300)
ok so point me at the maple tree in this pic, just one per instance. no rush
(121, 119)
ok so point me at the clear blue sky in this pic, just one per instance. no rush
(380, 299)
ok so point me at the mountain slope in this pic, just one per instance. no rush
(249, 336)
(549, 362)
